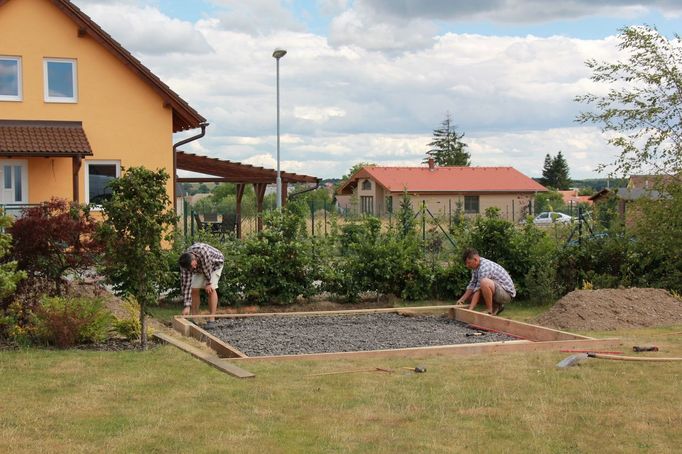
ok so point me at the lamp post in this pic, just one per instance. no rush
(277, 54)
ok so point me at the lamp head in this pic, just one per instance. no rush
(279, 53)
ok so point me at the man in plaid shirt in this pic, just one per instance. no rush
(200, 267)
(488, 279)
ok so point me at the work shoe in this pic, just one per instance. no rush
(210, 325)
(498, 310)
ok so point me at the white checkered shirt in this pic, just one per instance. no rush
(208, 258)
(493, 271)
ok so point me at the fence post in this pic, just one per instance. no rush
(423, 220)
(312, 216)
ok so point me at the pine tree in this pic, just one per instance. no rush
(555, 172)
(560, 172)
(547, 171)
(447, 148)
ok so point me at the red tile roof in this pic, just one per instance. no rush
(43, 138)
(448, 179)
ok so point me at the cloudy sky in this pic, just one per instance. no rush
(369, 80)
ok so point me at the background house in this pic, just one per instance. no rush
(378, 190)
(76, 107)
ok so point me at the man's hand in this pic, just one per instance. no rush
(185, 310)
(209, 289)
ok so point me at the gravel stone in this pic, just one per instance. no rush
(295, 335)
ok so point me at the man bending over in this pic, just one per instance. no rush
(488, 279)
(200, 267)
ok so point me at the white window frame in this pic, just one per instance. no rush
(88, 163)
(74, 76)
(20, 95)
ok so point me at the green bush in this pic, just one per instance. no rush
(66, 321)
(130, 326)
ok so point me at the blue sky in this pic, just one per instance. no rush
(369, 80)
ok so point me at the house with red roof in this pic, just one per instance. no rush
(378, 190)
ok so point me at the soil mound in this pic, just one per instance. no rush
(609, 309)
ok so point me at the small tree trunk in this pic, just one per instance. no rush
(143, 325)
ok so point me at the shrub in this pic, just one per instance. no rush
(130, 327)
(65, 322)
(54, 238)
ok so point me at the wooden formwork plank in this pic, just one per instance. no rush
(223, 349)
(524, 330)
(220, 364)
(455, 350)
(323, 313)
(182, 326)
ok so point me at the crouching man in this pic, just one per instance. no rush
(489, 280)
(200, 267)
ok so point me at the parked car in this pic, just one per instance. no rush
(548, 217)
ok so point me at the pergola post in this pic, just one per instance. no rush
(76, 162)
(260, 194)
(240, 195)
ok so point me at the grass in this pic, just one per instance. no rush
(165, 401)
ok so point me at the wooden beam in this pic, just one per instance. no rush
(220, 364)
(416, 309)
(76, 162)
(524, 330)
(223, 349)
(260, 194)
(454, 350)
(240, 195)
(285, 188)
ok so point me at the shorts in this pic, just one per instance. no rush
(199, 281)
(501, 296)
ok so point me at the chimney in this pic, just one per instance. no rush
(432, 164)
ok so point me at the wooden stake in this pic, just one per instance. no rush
(375, 369)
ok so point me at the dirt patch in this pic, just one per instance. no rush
(609, 309)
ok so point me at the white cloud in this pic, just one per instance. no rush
(145, 29)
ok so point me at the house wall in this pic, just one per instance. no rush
(123, 117)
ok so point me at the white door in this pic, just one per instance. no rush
(14, 181)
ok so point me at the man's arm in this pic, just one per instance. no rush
(186, 286)
(464, 298)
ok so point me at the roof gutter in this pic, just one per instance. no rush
(292, 195)
(203, 127)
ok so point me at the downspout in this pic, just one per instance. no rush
(175, 160)
(292, 195)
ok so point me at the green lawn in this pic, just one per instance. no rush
(163, 400)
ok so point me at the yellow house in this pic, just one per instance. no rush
(75, 107)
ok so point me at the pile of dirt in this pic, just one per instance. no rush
(609, 309)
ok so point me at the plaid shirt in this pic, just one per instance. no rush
(491, 270)
(208, 258)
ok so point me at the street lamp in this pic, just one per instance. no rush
(277, 54)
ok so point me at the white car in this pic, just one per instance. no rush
(548, 217)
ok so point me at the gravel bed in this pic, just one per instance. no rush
(295, 335)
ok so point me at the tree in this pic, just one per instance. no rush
(547, 171)
(447, 148)
(54, 238)
(354, 168)
(555, 172)
(641, 111)
(137, 218)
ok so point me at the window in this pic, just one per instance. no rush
(10, 79)
(367, 204)
(389, 204)
(366, 185)
(97, 178)
(60, 80)
(471, 204)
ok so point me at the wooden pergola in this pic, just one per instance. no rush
(223, 171)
